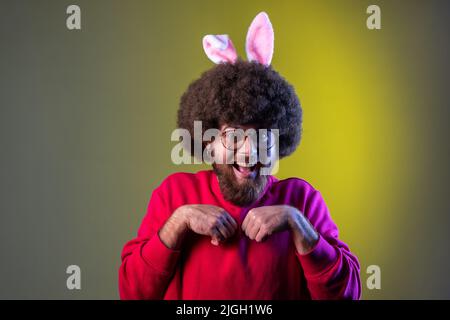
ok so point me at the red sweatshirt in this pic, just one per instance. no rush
(240, 268)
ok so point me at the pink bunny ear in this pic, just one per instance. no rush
(219, 48)
(260, 38)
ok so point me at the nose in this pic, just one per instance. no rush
(248, 151)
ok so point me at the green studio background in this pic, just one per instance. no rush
(86, 118)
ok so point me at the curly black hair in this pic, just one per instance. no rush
(243, 93)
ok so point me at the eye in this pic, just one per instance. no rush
(230, 134)
(263, 136)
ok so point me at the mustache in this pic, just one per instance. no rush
(248, 161)
(261, 159)
(243, 193)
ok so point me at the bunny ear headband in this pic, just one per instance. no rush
(259, 43)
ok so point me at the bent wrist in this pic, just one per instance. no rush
(180, 218)
(294, 218)
(174, 230)
(304, 235)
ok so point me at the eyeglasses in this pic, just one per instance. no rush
(234, 139)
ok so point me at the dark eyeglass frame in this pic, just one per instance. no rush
(239, 144)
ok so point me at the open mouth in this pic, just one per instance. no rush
(245, 171)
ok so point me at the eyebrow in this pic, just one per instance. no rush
(238, 127)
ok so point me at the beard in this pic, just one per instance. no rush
(240, 193)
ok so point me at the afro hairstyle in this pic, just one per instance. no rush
(243, 93)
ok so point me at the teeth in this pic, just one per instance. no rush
(245, 165)
(244, 169)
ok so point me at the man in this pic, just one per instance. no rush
(234, 232)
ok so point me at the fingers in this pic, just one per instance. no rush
(229, 228)
(213, 221)
(262, 234)
(252, 230)
(255, 226)
(225, 227)
(216, 236)
(258, 231)
(233, 222)
(250, 216)
(250, 223)
(227, 220)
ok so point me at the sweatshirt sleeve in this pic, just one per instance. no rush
(331, 270)
(147, 264)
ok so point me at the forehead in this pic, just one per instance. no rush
(238, 126)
